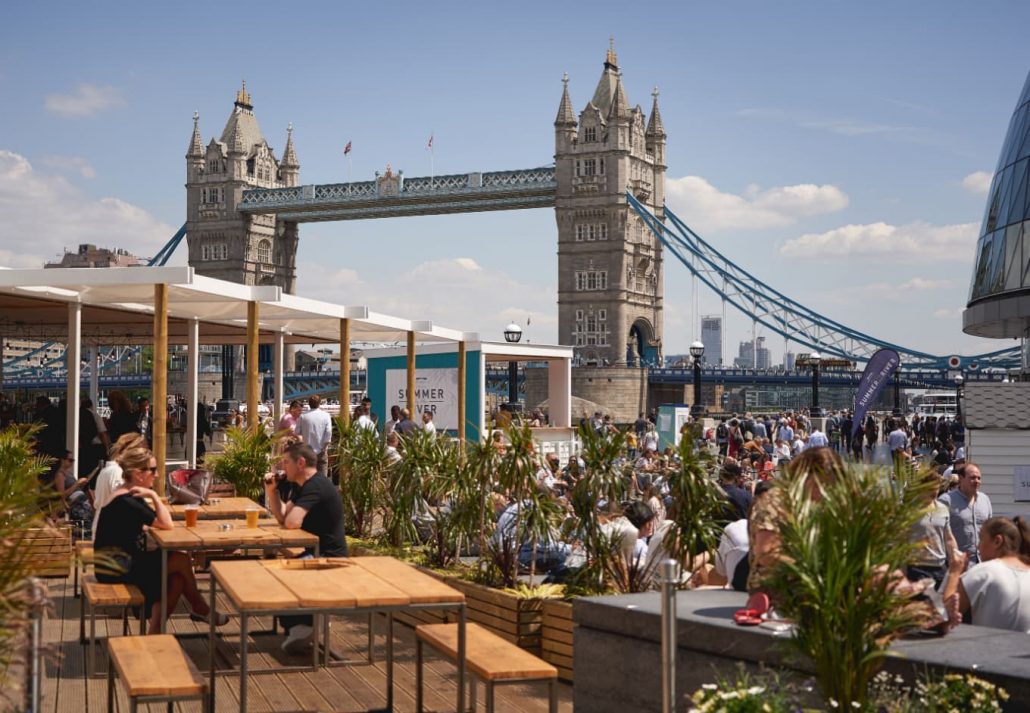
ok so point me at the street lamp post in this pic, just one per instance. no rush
(959, 379)
(897, 392)
(697, 350)
(814, 359)
(512, 335)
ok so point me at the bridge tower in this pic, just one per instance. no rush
(609, 265)
(223, 243)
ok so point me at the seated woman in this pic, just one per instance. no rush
(120, 542)
(997, 590)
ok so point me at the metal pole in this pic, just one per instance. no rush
(253, 398)
(513, 382)
(35, 684)
(345, 370)
(670, 579)
(897, 393)
(697, 382)
(815, 389)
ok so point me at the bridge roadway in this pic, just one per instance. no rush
(301, 384)
(393, 196)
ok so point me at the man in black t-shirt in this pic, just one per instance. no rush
(313, 505)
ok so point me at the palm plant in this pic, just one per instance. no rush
(452, 492)
(844, 539)
(245, 459)
(362, 461)
(699, 516)
(602, 479)
(479, 467)
(20, 468)
(403, 496)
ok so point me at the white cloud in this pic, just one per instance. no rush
(977, 183)
(705, 207)
(948, 314)
(903, 290)
(453, 292)
(70, 164)
(913, 241)
(86, 100)
(42, 214)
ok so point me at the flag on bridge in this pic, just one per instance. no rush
(346, 149)
(429, 146)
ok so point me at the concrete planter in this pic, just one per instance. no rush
(556, 636)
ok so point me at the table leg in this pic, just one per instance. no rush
(243, 662)
(389, 660)
(211, 648)
(316, 622)
(164, 589)
(110, 689)
(418, 675)
(371, 636)
(552, 696)
(461, 659)
(489, 696)
(325, 641)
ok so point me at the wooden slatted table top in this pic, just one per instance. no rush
(207, 533)
(222, 508)
(328, 583)
(489, 656)
(155, 666)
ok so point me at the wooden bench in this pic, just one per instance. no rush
(97, 595)
(154, 669)
(47, 551)
(488, 657)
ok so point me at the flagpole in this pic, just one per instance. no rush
(350, 168)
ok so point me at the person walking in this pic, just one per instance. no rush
(968, 510)
(316, 428)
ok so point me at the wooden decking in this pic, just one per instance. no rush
(359, 686)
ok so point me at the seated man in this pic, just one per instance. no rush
(311, 503)
(551, 552)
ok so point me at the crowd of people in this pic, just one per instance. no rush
(977, 562)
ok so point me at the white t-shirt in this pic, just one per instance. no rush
(109, 479)
(999, 595)
(733, 547)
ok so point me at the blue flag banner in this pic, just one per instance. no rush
(878, 371)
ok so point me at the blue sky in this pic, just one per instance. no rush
(839, 150)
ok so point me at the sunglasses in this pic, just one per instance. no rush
(149, 470)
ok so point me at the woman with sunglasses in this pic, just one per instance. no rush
(120, 541)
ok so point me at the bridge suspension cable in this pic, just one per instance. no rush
(779, 313)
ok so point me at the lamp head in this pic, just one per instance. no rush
(814, 358)
(697, 350)
(512, 333)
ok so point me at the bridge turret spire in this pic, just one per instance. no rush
(196, 149)
(655, 128)
(620, 105)
(566, 116)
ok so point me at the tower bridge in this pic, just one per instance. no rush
(245, 203)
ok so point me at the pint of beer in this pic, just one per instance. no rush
(192, 512)
(252, 516)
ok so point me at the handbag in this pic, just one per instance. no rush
(188, 486)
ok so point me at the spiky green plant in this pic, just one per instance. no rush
(363, 464)
(480, 472)
(602, 479)
(245, 459)
(404, 486)
(20, 510)
(699, 514)
(843, 536)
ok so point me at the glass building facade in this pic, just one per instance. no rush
(999, 294)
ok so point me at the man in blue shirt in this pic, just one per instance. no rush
(968, 509)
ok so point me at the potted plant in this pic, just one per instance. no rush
(245, 459)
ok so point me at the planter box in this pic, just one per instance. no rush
(556, 636)
(513, 619)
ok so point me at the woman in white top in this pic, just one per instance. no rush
(111, 477)
(997, 590)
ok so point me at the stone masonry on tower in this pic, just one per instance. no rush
(223, 243)
(609, 264)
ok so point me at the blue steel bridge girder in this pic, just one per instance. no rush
(777, 312)
(423, 195)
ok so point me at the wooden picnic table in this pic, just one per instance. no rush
(323, 587)
(232, 534)
(219, 509)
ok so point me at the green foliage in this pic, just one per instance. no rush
(20, 469)
(952, 692)
(402, 498)
(746, 694)
(244, 460)
(602, 479)
(835, 580)
(363, 465)
(699, 515)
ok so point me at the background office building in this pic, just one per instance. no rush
(711, 337)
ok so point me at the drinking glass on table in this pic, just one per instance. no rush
(192, 513)
(252, 516)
